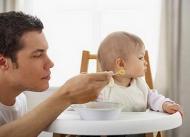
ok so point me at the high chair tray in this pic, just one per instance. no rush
(69, 122)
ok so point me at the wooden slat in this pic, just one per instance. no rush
(149, 135)
(86, 56)
(148, 74)
(85, 61)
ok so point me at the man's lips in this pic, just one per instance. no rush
(47, 77)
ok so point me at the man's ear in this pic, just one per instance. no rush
(3, 63)
(120, 63)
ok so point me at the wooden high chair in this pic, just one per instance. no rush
(86, 57)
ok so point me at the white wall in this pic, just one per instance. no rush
(74, 25)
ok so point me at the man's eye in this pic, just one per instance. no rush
(37, 55)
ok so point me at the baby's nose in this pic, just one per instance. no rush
(145, 63)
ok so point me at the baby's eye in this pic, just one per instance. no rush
(141, 58)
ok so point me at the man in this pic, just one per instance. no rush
(25, 65)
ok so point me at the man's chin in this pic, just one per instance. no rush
(39, 89)
(43, 89)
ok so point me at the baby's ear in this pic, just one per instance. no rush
(120, 62)
(3, 63)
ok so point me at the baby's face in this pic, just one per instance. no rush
(135, 64)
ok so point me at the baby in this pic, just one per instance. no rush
(123, 53)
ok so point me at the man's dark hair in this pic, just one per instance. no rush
(12, 26)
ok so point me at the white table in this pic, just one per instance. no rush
(69, 122)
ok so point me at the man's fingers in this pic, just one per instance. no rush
(100, 84)
(100, 76)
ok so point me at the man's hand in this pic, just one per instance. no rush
(171, 108)
(85, 87)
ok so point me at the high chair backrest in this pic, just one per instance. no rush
(86, 57)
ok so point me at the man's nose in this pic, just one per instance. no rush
(49, 63)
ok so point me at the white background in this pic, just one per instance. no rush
(74, 25)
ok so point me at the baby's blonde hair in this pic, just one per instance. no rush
(117, 45)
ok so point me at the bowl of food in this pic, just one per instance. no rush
(98, 110)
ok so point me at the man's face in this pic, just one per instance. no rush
(33, 71)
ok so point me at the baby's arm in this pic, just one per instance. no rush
(158, 102)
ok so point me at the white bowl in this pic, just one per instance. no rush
(98, 110)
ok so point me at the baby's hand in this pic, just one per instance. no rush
(171, 108)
